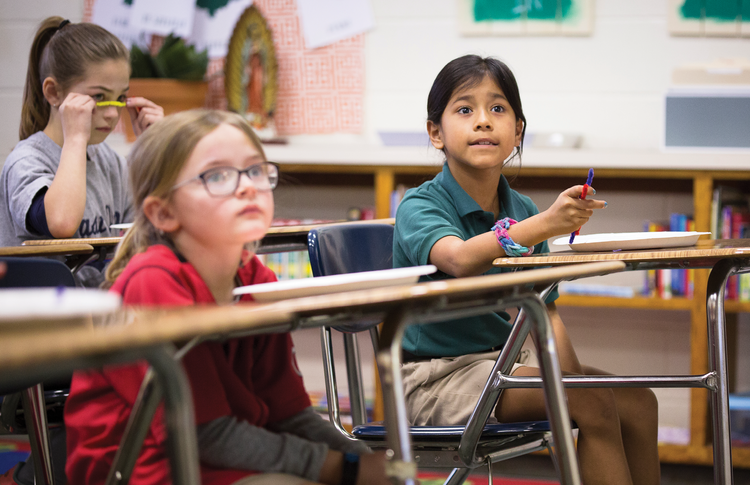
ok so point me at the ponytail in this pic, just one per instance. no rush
(63, 51)
(35, 109)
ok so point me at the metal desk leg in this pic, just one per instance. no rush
(554, 392)
(717, 360)
(182, 442)
(401, 467)
(139, 422)
(467, 447)
(36, 423)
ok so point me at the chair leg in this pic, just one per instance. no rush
(489, 471)
(375, 338)
(357, 405)
(457, 476)
(35, 414)
(555, 463)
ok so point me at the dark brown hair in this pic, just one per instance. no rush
(63, 51)
(467, 71)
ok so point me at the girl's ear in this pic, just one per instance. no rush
(52, 92)
(159, 212)
(435, 136)
(519, 131)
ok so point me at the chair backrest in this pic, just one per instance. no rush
(341, 249)
(35, 273)
(350, 248)
(48, 459)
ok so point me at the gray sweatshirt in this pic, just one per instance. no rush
(31, 167)
(297, 446)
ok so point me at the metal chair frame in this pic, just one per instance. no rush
(48, 272)
(460, 448)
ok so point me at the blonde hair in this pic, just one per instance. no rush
(155, 161)
(63, 51)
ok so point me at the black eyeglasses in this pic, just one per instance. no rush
(223, 181)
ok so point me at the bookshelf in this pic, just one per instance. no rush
(686, 173)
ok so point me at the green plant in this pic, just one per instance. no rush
(175, 60)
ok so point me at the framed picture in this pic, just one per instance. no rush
(526, 17)
(251, 69)
(712, 18)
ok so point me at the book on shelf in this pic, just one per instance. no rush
(593, 289)
(396, 197)
(666, 283)
(288, 265)
(658, 282)
(730, 219)
(723, 196)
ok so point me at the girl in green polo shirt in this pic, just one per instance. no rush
(461, 221)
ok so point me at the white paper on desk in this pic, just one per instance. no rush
(163, 17)
(114, 15)
(327, 21)
(212, 27)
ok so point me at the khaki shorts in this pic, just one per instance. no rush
(273, 479)
(444, 392)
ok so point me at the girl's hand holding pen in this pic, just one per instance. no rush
(143, 113)
(569, 212)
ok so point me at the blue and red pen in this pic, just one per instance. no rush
(586, 186)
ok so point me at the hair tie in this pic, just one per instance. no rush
(511, 248)
(63, 24)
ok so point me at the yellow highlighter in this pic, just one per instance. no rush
(117, 104)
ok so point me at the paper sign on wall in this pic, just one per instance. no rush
(213, 27)
(163, 17)
(327, 21)
(114, 15)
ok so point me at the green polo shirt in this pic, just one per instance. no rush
(430, 212)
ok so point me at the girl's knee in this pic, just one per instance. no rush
(646, 400)
(642, 407)
(593, 407)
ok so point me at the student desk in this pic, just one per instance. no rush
(70, 248)
(32, 352)
(101, 247)
(35, 350)
(278, 239)
(281, 239)
(725, 258)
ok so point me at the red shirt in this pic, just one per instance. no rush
(255, 379)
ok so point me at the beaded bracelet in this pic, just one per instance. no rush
(510, 247)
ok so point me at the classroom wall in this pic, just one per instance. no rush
(609, 86)
(18, 22)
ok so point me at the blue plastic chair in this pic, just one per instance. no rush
(41, 409)
(350, 248)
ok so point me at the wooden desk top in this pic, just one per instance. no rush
(132, 328)
(93, 241)
(56, 250)
(273, 231)
(446, 290)
(304, 229)
(704, 253)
